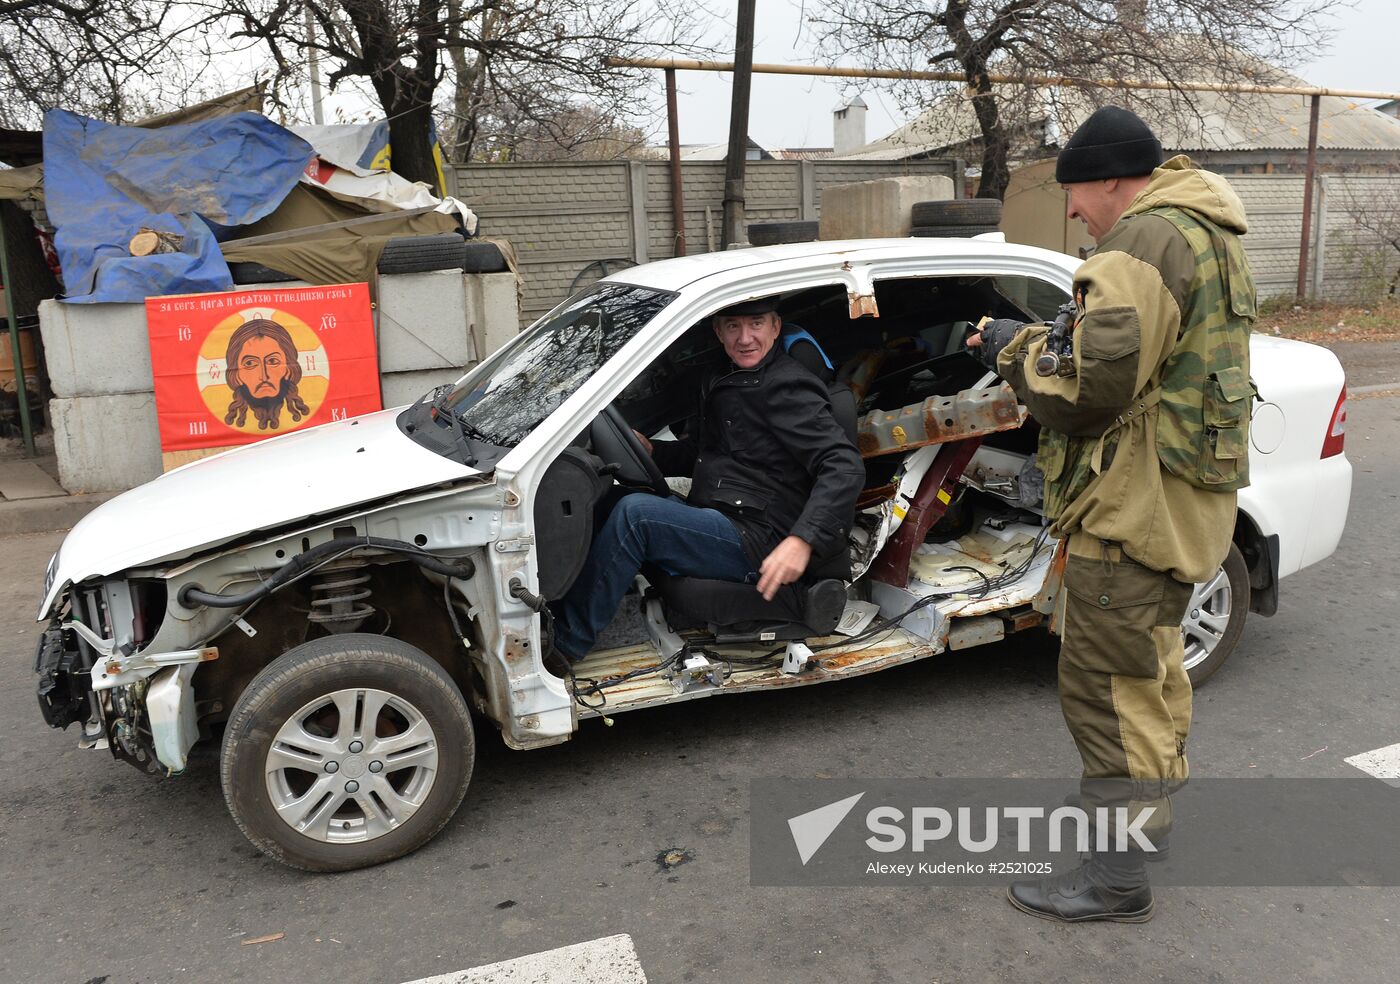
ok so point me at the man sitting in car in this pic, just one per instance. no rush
(774, 484)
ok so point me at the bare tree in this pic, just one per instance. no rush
(1174, 41)
(405, 49)
(574, 132)
(109, 60)
(570, 100)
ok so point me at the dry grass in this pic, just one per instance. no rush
(1323, 322)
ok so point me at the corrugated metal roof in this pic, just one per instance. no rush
(804, 153)
(1216, 122)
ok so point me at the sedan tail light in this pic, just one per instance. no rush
(1336, 428)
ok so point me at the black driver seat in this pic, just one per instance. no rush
(735, 612)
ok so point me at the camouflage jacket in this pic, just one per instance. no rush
(1145, 443)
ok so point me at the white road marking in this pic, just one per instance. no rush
(608, 960)
(1383, 763)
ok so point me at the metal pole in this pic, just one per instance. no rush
(26, 426)
(691, 65)
(1303, 242)
(673, 128)
(733, 225)
(314, 62)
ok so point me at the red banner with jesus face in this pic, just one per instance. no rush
(234, 368)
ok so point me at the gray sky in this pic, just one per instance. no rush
(796, 112)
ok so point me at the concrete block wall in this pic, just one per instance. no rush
(561, 218)
(1345, 259)
(432, 327)
(1355, 261)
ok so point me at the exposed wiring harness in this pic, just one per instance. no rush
(192, 594)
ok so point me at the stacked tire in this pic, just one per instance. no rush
(403, 254)
(774, 233)
(961, 217)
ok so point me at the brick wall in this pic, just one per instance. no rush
(564, 218)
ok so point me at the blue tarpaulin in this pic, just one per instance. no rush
(103, 183)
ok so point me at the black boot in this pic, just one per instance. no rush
(1110, 886)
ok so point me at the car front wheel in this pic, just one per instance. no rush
(346, 752)
(1214, 620)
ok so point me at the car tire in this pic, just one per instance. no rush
(950, 231)
(774, 233)
(1215, 618)
(292, 739)
(959, 211)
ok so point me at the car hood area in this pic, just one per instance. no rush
(259, 486)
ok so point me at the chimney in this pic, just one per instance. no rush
(848, 127)
(1133, 13)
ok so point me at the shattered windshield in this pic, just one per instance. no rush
(557, 357)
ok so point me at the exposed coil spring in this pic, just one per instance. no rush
(338, 598)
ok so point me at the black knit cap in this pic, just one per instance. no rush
(1113, 143)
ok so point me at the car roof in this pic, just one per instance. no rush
(730, 265)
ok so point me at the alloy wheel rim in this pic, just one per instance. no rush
(1207, 618)
(351, 766)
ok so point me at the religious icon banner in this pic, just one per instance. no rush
(236, 367)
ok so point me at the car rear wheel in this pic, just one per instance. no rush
(346, 752)
(1215, 618)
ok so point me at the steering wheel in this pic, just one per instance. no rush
(615, 442)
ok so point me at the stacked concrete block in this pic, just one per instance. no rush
(878, 209)
(106, 443)
(103, 412)
(432, 328)
(95, 349)
(399, 389)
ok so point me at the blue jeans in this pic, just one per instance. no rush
(646, 530)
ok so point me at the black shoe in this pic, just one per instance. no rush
(1093, 891)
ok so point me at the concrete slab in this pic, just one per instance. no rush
(400, 388)
(424, 321)
(95, 349)
(26, 480)
(106, 443)
(878, 209)
(495, 311)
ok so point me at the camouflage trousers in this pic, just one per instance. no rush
(1124, 691)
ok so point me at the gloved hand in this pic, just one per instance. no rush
(987, 344)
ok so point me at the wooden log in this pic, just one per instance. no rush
(149, 241)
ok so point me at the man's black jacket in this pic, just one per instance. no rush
(766, 451)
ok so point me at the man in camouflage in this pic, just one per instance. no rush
(1144, 418)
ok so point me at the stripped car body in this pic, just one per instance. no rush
(427, 530)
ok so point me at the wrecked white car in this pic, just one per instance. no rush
(333, 605)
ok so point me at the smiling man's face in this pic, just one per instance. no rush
(747, 338)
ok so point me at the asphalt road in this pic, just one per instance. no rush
(110, 876)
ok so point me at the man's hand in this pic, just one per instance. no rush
(994, 336)
(783, 566)
(646, 442)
